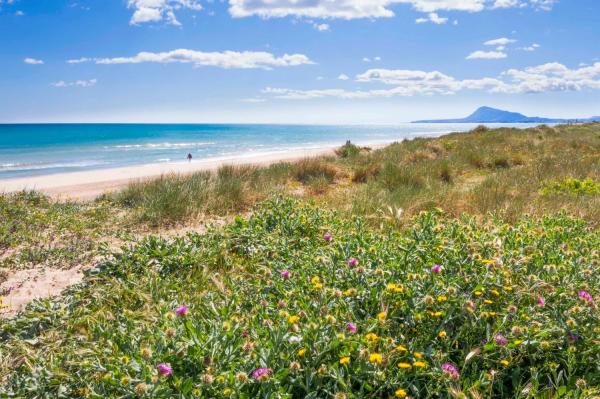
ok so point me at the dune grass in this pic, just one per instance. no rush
(498, 171)
(271, 307)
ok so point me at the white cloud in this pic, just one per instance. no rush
(345, 9)
(19, 13)
(79, 60)
(76, 83)
(366, 59)
(321, 27)
(533, 47)
(343, 76)
(541, 78)
(433, 18)
(486, 55)
(33, 61)
(377, 59)
(158, 10)
(225, 59)
(503, 41)
(507, 4)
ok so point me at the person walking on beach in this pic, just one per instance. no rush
(189, 157)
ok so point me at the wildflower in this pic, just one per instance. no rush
(442, 334)
(261, 374)
(125, 380)
(403, 365)
(420, 364)
(141, 389)
(226, 325)
(495, 292)
(351, 327)
(571, 323)
(352, 262)
(181, 311)
(381, 316)
(418, 355)
(207, 379)
(585, 296)
(517, 342)
(371, 338)
(452, 290)
(293, 319)
(170, 332)
(330, 318)
(285, 274)
(317, 286)
(227, 392)
(146, 353)
(500, 340)
(488, 302)
(504, 362)
(545, 345)
(344, 360)
(295, 366)
(512, 309)
(241, 377)
(436, 269)
(400, 393)
(375, 358)
(315, 280)
(340, 395)
(428, 299)
(164, 369)
(401, 348)
(516, 330)
(328, 237)
(478, 293)
(301, 352)
(322, 369)
(442, 298)
(541, 302)
(451, 370)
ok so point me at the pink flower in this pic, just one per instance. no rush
(261, 373)
(351, 327)
(436, 269)
(328, 237)
(585, 296)
(181, 311)
(451, 370)
(285, 274)
(541, 302)
(352, 262)
(500, 340)
(164, 369)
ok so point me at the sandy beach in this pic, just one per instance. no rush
(87, 185)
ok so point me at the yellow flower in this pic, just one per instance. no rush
(507, 288)
(504, 362)
(571, 323)
(401, 348)
(420, 364)
(442, 334)
(301, 352)
(442, 298)
(495, 292)
(317, 286)
(487, 302)
(371, 338)
(517, 342)
(381, 316)
(315, 280)
(418, 355)
(488, 261)
(375, 358)
(400, 393)
(478, 293)
(293, 319)
(395, 287)
(404, 365)
(345, 360)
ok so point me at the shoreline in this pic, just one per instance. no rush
(87, 185)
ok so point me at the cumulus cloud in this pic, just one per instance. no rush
(158, 10)
(321, 27)
(79, 60)
(542, 78)
(76, 83)
(343, 76)
(533, 47)
(33, 61)
(433, 18)
(225, 59)
(486, 55)
(352, 9)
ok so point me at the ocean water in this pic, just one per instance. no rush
(41, 149)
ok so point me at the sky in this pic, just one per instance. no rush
(296, 61)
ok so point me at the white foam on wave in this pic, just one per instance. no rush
(159, 146)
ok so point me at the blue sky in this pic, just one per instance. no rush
(295, 61)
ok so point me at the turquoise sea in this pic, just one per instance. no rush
(40, 149)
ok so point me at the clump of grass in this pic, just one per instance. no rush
(571, 186)
(309, 169)
(348, 150)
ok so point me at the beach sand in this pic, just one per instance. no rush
(87, 185)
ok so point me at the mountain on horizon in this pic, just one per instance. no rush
(493, 115)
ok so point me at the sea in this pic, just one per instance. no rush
(41, 149)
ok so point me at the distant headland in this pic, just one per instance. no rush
(493, 115)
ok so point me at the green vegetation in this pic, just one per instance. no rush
(463, 266)
(508, 313)
(572, 186)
